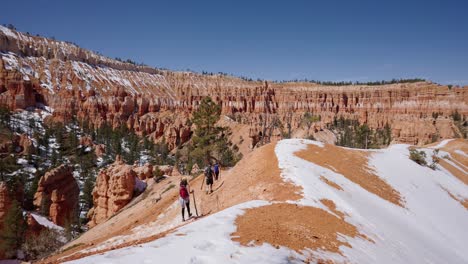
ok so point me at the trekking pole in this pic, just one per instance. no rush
(194, 202)
(202, 181)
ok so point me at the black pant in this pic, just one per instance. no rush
(187, 204)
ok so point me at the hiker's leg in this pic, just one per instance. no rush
(187, 204)
(183, 214)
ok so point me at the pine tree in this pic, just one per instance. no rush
(308, 120)
(209, 140)
(206, 131)
(88, 191)
(5, 117)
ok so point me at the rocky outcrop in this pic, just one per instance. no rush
(57, 194)
(5, 203)
(25, 144)
(159, 103)
(167, 170)
(19, 143)
(144, 172)
(114, 189)
(86, 141)
(195, 169)
(100, 150)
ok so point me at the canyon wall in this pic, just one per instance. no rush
(64, 79)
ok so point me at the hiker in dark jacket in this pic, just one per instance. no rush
(216, 171)
(209, 178)
(184, 199)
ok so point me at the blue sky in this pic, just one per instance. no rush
(277, 40)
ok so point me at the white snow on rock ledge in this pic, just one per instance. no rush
(205, 241)
(431, 229)
(43, 221)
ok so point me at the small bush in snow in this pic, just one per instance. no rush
(44, 244)
(435, 159)
(418, 156)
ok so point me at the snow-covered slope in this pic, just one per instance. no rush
(427, 223)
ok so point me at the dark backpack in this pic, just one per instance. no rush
(208, 172)
(216, 168)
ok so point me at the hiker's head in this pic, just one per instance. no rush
(183, 182)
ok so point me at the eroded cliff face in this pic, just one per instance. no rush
(116, 186)
(39, 72)
(57, 194)
(114, 189)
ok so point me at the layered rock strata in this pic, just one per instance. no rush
(36, 71)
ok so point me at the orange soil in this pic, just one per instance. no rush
(331, 183)
(293, 226)
(353, 165)
(332, 207)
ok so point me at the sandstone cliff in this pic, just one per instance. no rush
(57, 194)
(144, 172)
(35, 71)
(114, 189)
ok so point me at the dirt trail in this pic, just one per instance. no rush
(255, 177)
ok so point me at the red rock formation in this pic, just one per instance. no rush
(5, 203)
(158, 103)
(144, 172)
(58, 191)
(113, 190)
(26, 144)
(19, 143)
(100, 150)
(86, 141)
(167, 169)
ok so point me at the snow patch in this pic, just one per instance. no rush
(8, 32)
(46, 222)
(204, 241)
(460, 152)
(429, 230)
